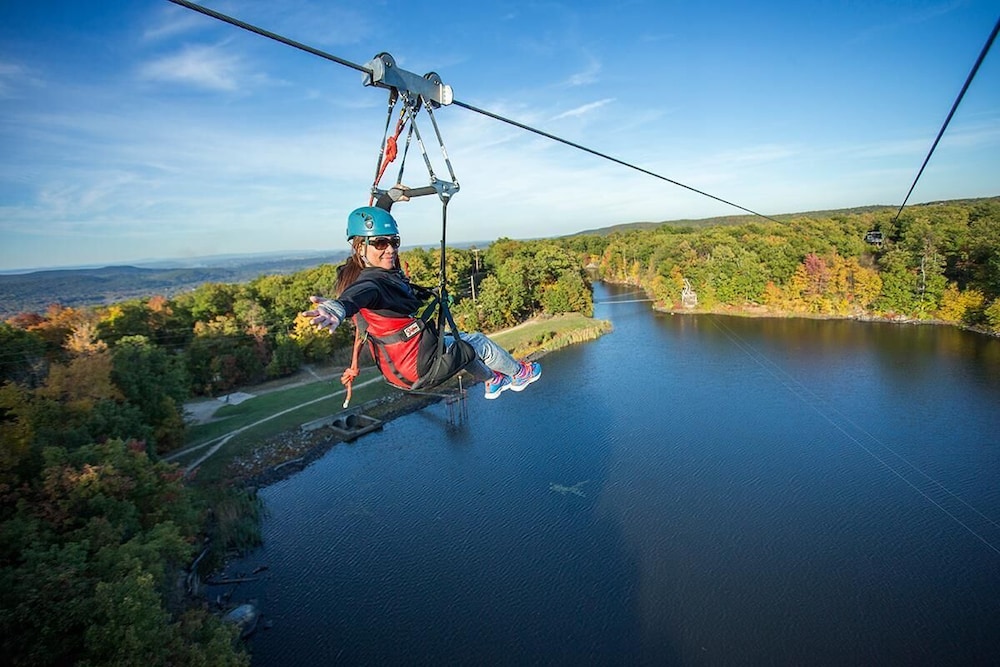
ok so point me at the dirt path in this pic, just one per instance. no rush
(203, 410)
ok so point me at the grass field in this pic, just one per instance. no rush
(542, 335)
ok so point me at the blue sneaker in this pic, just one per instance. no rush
(530, 371)
(498, 385)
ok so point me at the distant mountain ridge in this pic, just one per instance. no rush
(781, 217)
(35, 291)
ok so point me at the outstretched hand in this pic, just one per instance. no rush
(328, 314)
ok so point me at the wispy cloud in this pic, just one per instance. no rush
(14, 76)
(586, 77)
(174, 21)
(757, 154)
(208, 67)
(583, 109)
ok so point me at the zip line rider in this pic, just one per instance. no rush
(371, 284)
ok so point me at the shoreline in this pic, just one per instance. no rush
(764, 313)
(287, 453)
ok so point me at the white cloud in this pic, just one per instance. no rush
(587, 76)
(583, 109)
(209, 67)
(749, 155)
(173, 21)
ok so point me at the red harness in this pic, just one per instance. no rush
(408, 350)
(395, 345)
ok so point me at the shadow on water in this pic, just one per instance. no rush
(685, 490)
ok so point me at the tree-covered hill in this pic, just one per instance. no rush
(700, 223)
(937, 261)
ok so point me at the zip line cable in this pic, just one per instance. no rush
(322, 54)
(270, 35)
(605, 156)
(954, 107)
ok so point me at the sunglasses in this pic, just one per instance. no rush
(383, 242)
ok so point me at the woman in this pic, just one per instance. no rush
(370, 282)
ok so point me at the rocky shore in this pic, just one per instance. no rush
(285, 454)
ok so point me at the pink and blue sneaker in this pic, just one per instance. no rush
(498, 385)
(530, 371)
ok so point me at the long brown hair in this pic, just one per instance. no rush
(349, 271)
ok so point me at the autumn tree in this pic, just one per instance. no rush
(89, 546)
(961, 307)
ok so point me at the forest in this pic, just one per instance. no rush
(96, 528)
(935, 262)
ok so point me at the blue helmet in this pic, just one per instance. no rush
(370, 221)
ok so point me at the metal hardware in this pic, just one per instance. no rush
(386, 74)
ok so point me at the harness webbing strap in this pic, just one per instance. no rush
(379, 352)
(391, 150)
(351, 373)
(393, 97)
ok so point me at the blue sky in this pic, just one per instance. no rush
(132, 130)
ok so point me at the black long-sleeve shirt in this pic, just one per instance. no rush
(385, 291)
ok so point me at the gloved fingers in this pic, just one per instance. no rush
(328, 313)
(324, 322)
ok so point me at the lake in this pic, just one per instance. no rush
(691, 490)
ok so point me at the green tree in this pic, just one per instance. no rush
(129, 318)
(156, 382)
(568, 294)
(983, 258)
(16, 437)
(22, 359)
(209, 301)
(738, 275)
(899, 284)
(287, 358)
(493, 305)
(992, 314)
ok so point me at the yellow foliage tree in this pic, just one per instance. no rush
(955, 304)
(82, 382)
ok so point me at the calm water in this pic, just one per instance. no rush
(687, 490)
